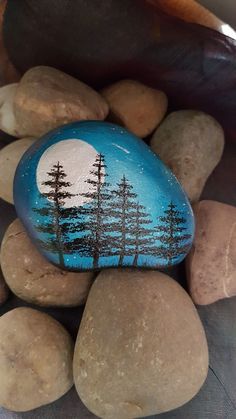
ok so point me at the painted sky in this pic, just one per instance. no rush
(124, 154)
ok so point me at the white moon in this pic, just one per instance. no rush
(77, 158)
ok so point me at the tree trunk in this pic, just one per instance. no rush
(61, 258)
(120, 263)
(95, 261)
(135, 262)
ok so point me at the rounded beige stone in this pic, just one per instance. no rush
(141, 348)
(191, 144)
(137, 107)
(47, 98)
(211, 263)
(32, 278)
(8, 121)
(35, 360)
(9, 159)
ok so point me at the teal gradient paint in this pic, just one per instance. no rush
(154, 187)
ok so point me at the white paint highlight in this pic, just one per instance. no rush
(121, 148)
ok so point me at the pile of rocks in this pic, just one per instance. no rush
(141, 348)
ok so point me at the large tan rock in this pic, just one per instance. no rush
(137, 107)
(35, 359)
(191, 143)
(46, 98)
(9, 159)
(211, 264)
(141, 348)
(33, 278)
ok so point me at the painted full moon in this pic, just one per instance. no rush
(77, 158)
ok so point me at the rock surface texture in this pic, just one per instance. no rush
(141, 349)
(31, 277)
(46, 98)
(9, 159)
(191, 144)
(35, 360)
(211, 264)
(135, 106)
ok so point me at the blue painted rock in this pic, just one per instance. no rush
(93, 195)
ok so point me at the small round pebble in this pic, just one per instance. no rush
(9, 159)
(33, 278)
(137, 107)
(35, 360)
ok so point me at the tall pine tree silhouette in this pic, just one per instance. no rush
(94, 243)
(129, 224)
(175, 242)
(144, 241)
(116, 224)
(122, 210)
(58, 224)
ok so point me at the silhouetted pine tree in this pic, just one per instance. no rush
(121, 209)
(56, 227)
(112, 223)
(144, 241)
(93, 242)
(115, 221)
(174, 243)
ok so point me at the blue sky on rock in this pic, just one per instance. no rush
(124, 154)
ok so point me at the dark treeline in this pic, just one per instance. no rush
(111, 223)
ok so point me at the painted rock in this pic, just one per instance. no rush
(93, 195)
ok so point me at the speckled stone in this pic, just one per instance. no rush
(46, 98)
(32, 278)
(211, 264)
(191, 144)
(35, 359)
(9, 159)
(136, 106)
(141, 349)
